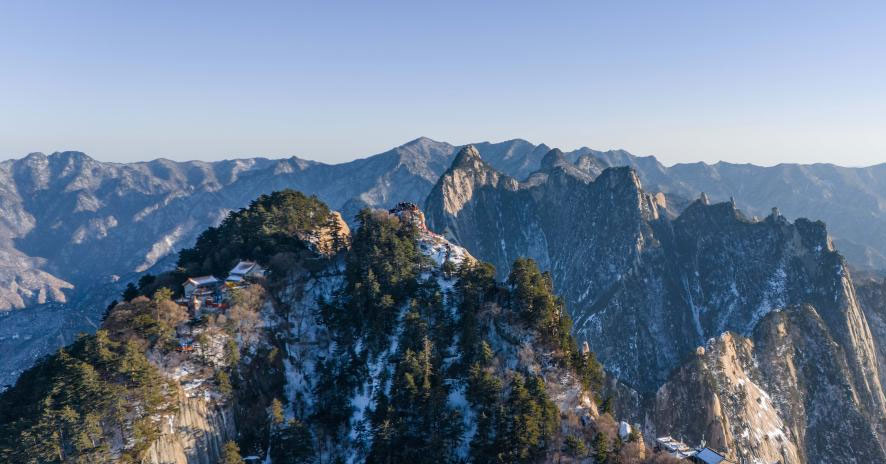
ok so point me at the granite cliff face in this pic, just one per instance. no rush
(782, 395)
(734, 412)
(871, 291)
(195, 434)
(647, 287)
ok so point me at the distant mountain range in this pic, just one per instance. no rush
(74, 230)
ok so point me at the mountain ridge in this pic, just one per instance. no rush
(74, 230)
(646, 289)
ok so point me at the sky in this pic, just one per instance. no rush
(759, 82)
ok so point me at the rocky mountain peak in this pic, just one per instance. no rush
(468, 157)
(553, 159)
(468, 175)
(622, 179)
(421, 141)
(71, 155)
(702, 210)
(409, 213)
(590, 164)
(34, 157)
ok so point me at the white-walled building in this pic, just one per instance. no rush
(244, 270)
(200, 284)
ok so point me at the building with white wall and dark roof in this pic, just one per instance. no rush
(245, 270)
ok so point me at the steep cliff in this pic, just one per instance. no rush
(871, 291)
(646, 287)
(730, 411)
(195, 434)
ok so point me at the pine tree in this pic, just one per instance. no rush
(145, 281)
(484, 388)
(524, 433)
(223, 381)
(292, 443)
(486, 354)
(108, 309)
(606, 407)
(338, 238)
(231, 454)
(232, 352)
(130, 292)
(276, 412)
(161, 294)
(601, 448)
(203, 343)
(590, 371)
(549, 415)
(533, 301)
(575, 447)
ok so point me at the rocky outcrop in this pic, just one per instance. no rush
(810, 375)
(196, 434)
(729, 409)
(330, 237)
(783, 395)
(827, 192)
(871, 291)
(456, 193)
(23, 283)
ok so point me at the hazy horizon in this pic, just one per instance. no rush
(753, 82)
(367, 155)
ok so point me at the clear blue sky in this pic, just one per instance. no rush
(761, 82)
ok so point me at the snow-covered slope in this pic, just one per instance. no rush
(312, 343)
